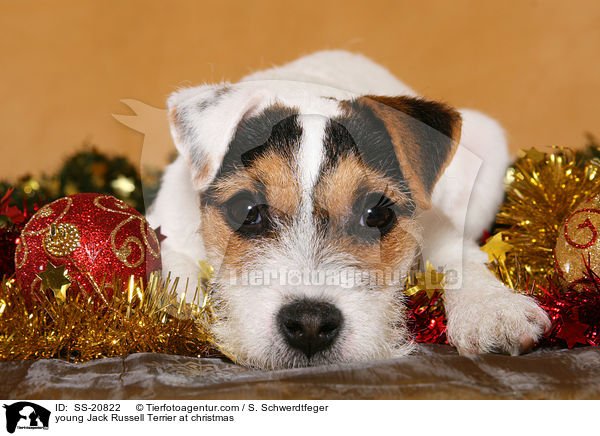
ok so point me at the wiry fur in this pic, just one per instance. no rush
(374, 322)
(483, 315)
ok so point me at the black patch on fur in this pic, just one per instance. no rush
(363, 134)
(432, 125)
(436, 115)
(276, 128)
(338, 143)
(435, 140)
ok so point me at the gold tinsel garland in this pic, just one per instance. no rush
(541, 191)
(151, 318)
(141, 318)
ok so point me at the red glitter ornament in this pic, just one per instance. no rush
(100, 241)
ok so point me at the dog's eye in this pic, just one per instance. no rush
(377, 214)
(377, 211)
(244, 214)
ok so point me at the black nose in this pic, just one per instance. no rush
(310, 326)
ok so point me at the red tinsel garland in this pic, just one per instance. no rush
(573, 309)
(426, 318)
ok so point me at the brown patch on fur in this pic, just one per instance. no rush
(335, 195)
(273, 174)
(222, 241)
(406, 105)
(228, 186)
(270, 174)
(421, 166)
(338, 189)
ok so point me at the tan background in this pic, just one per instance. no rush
(535, 65)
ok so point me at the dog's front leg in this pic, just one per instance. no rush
(483, 314)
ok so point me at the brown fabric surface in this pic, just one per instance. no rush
(434, 372)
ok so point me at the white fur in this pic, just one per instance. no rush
(311, 155)
(483, 315)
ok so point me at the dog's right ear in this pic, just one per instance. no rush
(203, 120)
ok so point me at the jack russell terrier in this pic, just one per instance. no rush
(313, 188)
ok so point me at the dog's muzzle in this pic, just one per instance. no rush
(310, 326)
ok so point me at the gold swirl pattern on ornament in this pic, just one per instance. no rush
(586, 224)
(155, 253)
(144, 229)
(23, 245)
(45, 211)
(124, 251)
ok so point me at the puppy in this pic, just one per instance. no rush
(312, 189)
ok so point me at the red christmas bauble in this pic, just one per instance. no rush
(96, 241)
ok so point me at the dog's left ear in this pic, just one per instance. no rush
(425, 136)
(203, 120)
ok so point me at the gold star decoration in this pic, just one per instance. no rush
(496, 248)
(430, 280)
(55, 278)
(533, 154)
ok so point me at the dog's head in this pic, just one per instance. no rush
(308, 200)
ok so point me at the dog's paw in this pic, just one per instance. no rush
(503, 322)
